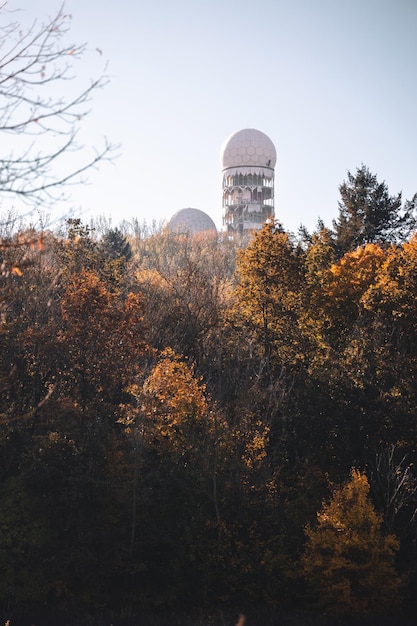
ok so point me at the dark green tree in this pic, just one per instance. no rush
(115, 245)
(368, 214)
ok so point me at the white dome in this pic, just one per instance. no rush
(248, 147)
(191, 221)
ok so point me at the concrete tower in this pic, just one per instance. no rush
(248, 159)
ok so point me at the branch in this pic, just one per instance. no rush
(32, 62)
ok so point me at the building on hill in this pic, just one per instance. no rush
(248, 159)
(192, 222)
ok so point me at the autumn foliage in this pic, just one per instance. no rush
(188, 423)
(348, 561)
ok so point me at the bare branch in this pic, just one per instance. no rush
(39, 102)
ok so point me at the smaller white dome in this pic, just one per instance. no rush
(248, 148)
(192, 221)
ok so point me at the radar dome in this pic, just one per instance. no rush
(248, 147)
(192, 221)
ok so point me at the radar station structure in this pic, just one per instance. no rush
(248, 159)
(192, 222)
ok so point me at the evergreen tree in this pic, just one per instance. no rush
(115, 245)
(368, 214)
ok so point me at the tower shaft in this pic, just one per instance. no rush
(248, 198)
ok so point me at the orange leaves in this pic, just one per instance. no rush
(174, 390)
(396, 284)
(40, 243)
(268, 295)
(174, 401)
(348, 561)
(256, 446)
(86, 295)
(351, 277)
(102, 335)
(345, 283)
(370, 285)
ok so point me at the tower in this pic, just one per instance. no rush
(248, 159)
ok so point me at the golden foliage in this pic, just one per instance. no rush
(348, 280)
(348, 562)
(173, 400)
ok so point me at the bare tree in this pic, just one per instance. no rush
(42, 108)
(394, 486)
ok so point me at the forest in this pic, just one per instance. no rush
(201, 424)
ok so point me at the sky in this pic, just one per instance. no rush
(332, 83)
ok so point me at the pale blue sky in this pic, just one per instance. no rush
(333, 83)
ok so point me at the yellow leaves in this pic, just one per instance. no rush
(173, 402)
(350, 509)
(268, 296)
(347, 560)
(16, 271)
(101, 338)
(86, 295)
(319, 257)
(174, 390)
(345, 285)
(354, 273)
(395, 286)
(255, 449)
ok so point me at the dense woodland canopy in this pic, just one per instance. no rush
(197, 421)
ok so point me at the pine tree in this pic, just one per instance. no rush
(115, 245)
(368, 214)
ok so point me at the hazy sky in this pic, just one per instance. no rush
(333, 83)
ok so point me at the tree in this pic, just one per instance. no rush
(186, 282)
(174, 402)
(116, 252)
(115, 245)
(345, 283)
(368, 214)
(348, 562)
(101, 339)
(40, 110)
(394, 485)
(87, 347)
(178, 450)
(392, 303)
(76, 248)
(267, 297)
(319, 256)
(395, 287)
